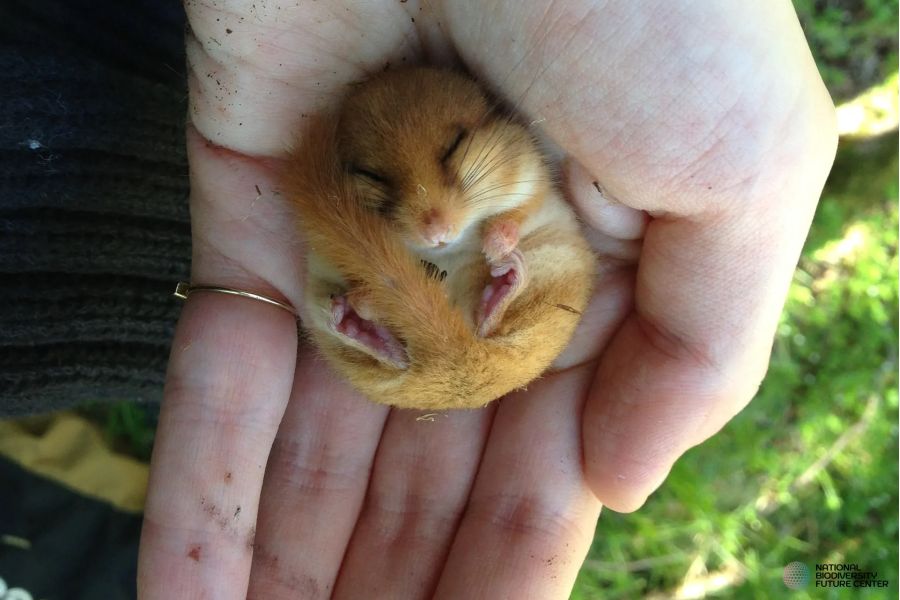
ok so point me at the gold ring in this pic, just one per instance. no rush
(184, 289)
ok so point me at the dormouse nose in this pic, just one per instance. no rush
(436, 229)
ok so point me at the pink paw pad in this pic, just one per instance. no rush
(507, 277)
(379, 342)
(496, 291)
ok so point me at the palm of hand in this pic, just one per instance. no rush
(497, 500)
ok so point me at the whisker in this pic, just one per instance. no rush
(495, 104)
(496, 197)
(503, 185)
(487, 161)
(493, 167)
(480, 197)
(495, 135)
(472, 174)
(511, 114)
(492, 107)
(484, 153)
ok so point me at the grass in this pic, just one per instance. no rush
(854, 41)
(128, 427)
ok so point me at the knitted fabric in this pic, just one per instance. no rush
(94, 223)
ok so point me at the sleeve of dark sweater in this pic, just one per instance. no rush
(94, 223)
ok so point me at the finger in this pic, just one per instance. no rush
(598, 209)
(693, 352)
(229, 378)
(423, 475)
(316, 479)
(531, 515)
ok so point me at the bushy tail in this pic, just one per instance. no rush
(355, 241)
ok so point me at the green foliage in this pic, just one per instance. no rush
(754, 498)
(129, 427)
(854, 41)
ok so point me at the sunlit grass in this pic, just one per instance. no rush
(872, 113)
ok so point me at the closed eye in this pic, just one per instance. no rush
(380, 196)
(461, 134)
(374, 177)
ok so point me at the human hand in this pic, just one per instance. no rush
(712, 119)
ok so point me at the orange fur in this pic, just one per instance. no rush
(397, 128)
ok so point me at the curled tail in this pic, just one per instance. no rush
(354, 240)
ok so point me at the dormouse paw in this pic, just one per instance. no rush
(508, 278)
(365, 334)
(500, 238)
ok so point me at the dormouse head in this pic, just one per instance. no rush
(428, 150)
